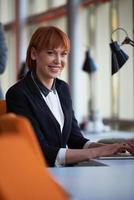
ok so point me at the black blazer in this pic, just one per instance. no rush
(24, 98)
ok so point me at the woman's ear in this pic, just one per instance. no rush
(33, 53)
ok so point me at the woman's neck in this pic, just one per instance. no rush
(47, 82)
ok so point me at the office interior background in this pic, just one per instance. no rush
(89, 24)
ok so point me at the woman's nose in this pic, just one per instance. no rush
(58, 59)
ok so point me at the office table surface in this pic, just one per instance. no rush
(109, 135)
(100, 179)
(97, 183)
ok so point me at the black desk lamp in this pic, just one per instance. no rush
(95, 123)
(89, 65)
(119, 57)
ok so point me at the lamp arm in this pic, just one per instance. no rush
(128, 41)
(132, 43)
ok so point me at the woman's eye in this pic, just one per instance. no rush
(64, 54)
(53, 53)
(50, 52)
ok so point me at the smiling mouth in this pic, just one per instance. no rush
(54, 69)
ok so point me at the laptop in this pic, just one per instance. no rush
(118, 156)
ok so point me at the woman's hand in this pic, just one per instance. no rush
(129, 146)
(110, 149)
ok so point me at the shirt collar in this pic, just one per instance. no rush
(43, 88)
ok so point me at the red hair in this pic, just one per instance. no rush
(48, 37)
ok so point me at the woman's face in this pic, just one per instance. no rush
(49, 62)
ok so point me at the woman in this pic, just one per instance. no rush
(45, 100)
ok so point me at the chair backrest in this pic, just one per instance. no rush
(15, 123)
(2, 107)
(23, 171)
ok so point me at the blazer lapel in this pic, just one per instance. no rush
(64, 105)
(41, 102)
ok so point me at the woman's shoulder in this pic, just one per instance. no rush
(62, 86)
(61, 83)
(18, 85)
(14, 88)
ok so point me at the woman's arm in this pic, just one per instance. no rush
(79, 155)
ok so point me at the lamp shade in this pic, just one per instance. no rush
(119, 57)
(89, 64)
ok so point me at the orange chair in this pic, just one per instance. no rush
(23, 171)
(2, 107)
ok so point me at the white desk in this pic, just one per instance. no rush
(97, 183)
(114, 181)
(116, 162)
(95, 137)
